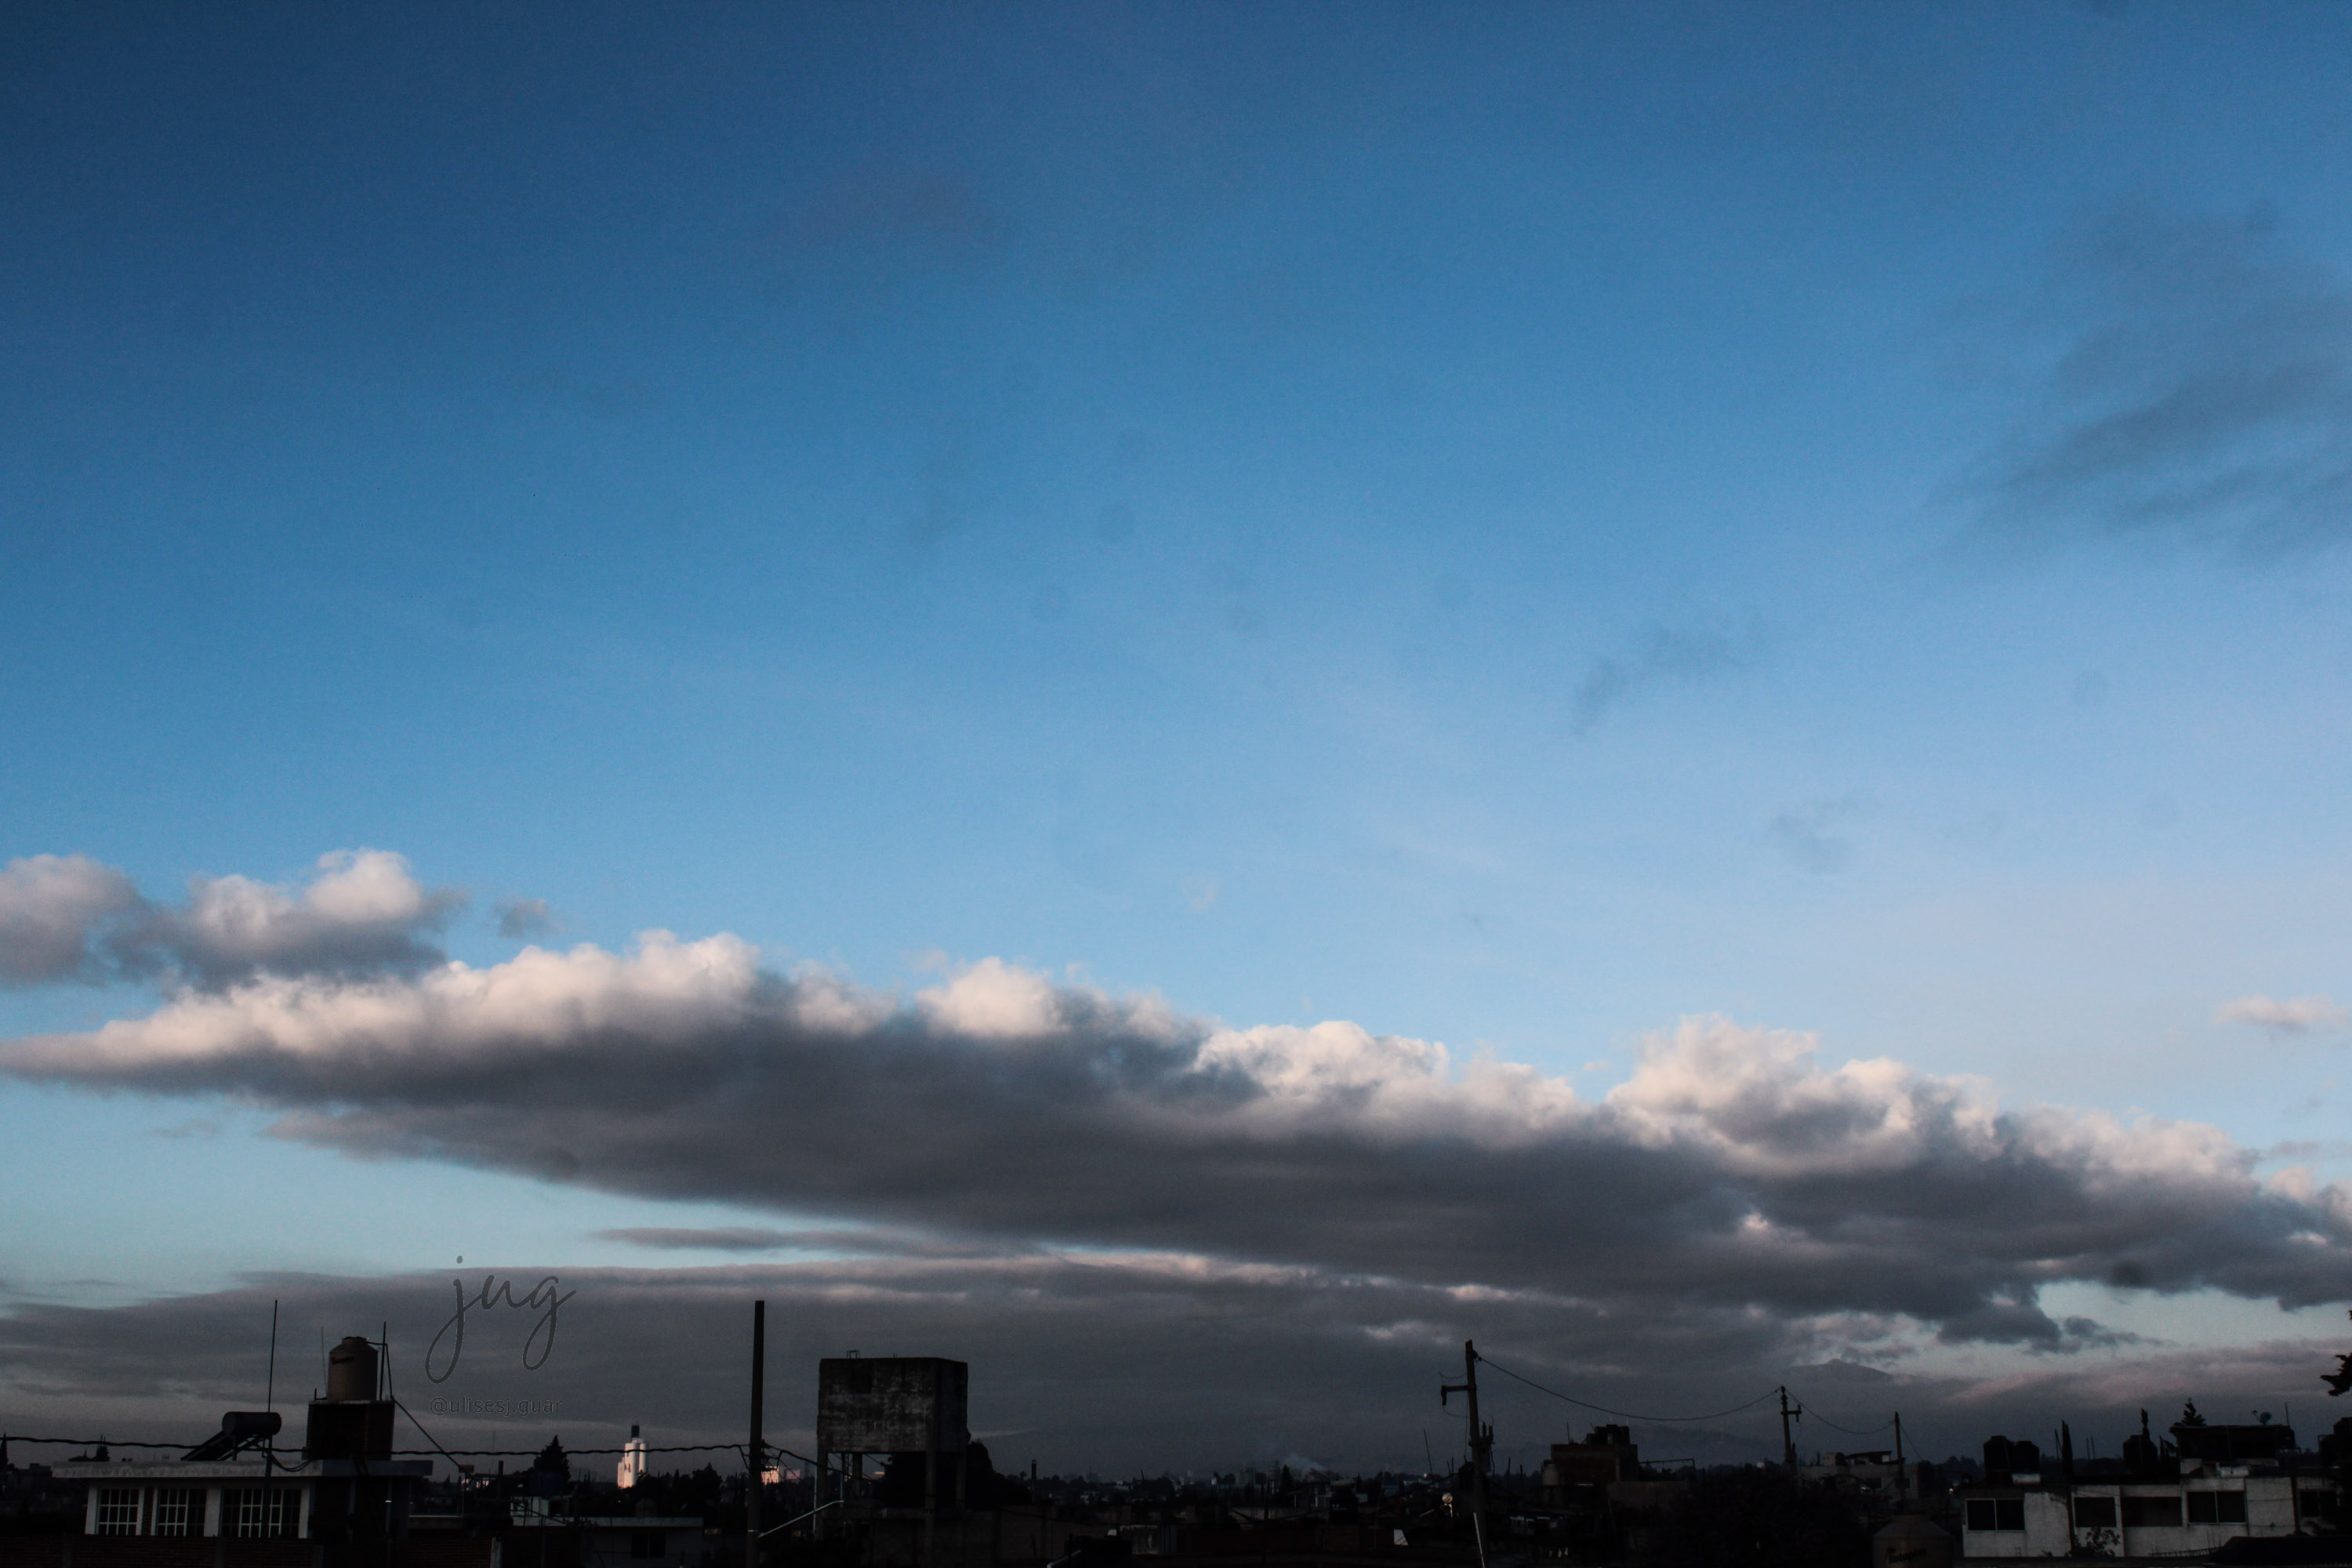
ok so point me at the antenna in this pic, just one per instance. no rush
(269, 1400)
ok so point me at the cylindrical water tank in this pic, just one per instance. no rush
(350, 1369)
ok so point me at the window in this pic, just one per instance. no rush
(276, 1512)
(2216, 1508)
(2151, 1512)
(118, 1511)
(173, 1507)
(1997, 1513)
(2094, 1513)
(645, 1543)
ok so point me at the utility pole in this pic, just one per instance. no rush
(1482, 1443)
(758, 1451)
(1787, 1443)
(1902, 1476)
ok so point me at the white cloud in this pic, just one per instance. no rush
(1733, 1171)
(71, 917)
(362, 911)
(50, 907)
(992, 1000)
(2296, 1016)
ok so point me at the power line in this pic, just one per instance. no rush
(428, 1436)
(90, 1442)
(1625, 1415)
(410, 1453)
(1817, 1415)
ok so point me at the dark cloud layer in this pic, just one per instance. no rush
(1081, 1361)
(1095, 1362)
(1731, 1172)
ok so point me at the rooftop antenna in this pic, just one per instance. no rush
(269, 1396)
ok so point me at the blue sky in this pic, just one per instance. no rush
(1510, 527)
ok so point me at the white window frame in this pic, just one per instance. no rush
(186, 1503)
(101, 1524)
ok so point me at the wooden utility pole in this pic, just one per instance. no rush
(1482, 1443)
(1787, 1443)
(754, 1482)
(1902, 1476)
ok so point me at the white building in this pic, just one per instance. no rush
(235, 1497)
(633, 1461)
(2209, 1504)
(177, 1496)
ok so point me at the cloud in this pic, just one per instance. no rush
(362, 913)
(71, 918)
(2201, 390)
(1114, 1362)
(1660, 654)
(50, 906)
(2294, 1017)
(765, 1238)
(1107, 1362)
(523, 917)
(728, 1239)
(1809, 835)
(882, 206)
(1732, 1171)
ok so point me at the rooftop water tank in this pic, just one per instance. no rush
(350, 1369)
